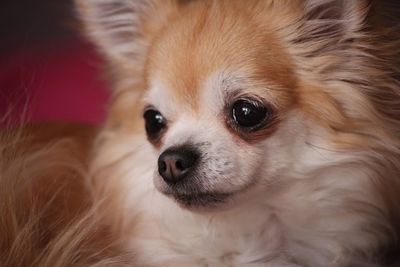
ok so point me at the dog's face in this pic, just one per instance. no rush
(238, 95)
(218, 92)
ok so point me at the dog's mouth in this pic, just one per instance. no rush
(195, 196)
(200, 200)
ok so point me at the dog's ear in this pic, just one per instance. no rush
(350, 14)
(120, 28)
(331, 24)
(329, 33)
(329, 40)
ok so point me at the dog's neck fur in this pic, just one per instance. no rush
(231, 238)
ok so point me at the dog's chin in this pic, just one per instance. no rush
(196, 200)
(202, 202)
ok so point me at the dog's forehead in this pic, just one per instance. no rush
(200, 49)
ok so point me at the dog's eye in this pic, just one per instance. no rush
(249, 114)
(154, 122)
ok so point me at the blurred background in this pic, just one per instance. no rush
(47, 71)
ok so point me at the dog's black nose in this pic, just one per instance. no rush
(175, 163)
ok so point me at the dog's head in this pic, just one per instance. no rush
(238, 96)
(218, 85)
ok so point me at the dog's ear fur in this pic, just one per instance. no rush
(332, 24)
(121, 28)
(340, 51)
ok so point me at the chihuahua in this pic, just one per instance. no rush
(248, 133)
(272, 131)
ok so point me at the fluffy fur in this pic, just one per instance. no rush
(47, 214)
(319, 187)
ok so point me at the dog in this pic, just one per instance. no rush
(248, 133)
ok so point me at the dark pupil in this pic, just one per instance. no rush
(154, 121)
(248, 114)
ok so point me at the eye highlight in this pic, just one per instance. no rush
(155, 123)
(249, 115)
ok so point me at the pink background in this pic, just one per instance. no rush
(58, 80)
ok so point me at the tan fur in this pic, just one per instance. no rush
(47, 215)
(202, 52)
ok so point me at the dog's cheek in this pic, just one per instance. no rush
(282, 152)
